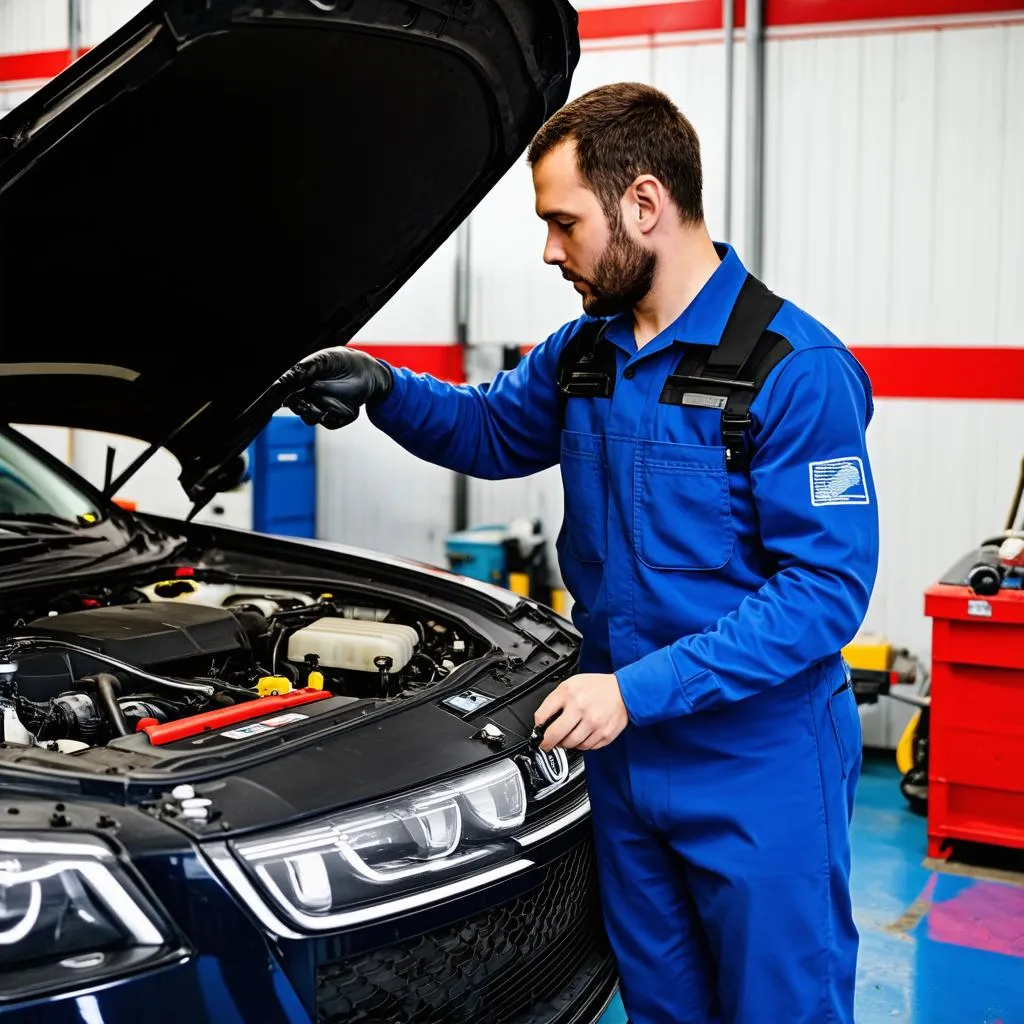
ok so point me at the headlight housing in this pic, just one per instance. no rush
(70, 915)
(390, 847)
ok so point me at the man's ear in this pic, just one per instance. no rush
(645, 201)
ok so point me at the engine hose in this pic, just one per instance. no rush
(273, 656)
(108, 687)
(290, 671)
(305, 609)
(36, 715)
(439, 670)
(37, 643)
(230, 690)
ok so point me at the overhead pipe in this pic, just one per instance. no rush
(729, 32)
(755, 136)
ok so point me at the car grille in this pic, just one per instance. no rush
(556, 804)
(533, 959)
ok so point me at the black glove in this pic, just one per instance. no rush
(329, 386)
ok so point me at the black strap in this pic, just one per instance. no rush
(736, 419)
(586, 365)
(726, 376)
(729, 375)
(755, 308)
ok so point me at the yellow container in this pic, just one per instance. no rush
(272, 686)
(519, 583)
(869, 652)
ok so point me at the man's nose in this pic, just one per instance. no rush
(554, 254)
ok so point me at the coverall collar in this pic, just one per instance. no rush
(703, 320)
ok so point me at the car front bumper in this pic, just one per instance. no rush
(528, 949)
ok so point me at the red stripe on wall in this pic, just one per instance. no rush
(30, 67)
(706, 15)
(442, 361)
(814, 12)
(986, 374)
(646, 19)
(994, 374)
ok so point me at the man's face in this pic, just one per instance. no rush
(611, 271)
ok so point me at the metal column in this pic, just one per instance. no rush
(463, 283)
(74, 28)
(729, 27)
(754, 251)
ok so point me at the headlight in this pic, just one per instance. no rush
(392, 846)
(70, 915)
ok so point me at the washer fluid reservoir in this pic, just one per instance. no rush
(352, 644)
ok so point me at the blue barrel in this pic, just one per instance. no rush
(284, 478)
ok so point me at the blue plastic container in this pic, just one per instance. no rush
(284, 478)
(479, 553)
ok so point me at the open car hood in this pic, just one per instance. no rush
(224, 186)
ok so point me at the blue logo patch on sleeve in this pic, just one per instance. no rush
(839, 482)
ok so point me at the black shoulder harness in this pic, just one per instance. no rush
(586, 366)
(727, 376)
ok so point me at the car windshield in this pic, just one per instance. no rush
(30, 488)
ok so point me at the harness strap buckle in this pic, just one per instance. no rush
(585, 383)
(734, 428)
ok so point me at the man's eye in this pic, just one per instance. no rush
(566, 225)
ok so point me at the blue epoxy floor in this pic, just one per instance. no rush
(936, 948)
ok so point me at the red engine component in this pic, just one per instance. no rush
(207, 721)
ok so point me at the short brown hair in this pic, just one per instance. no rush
(622, 131)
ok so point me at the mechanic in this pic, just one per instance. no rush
(720, 543)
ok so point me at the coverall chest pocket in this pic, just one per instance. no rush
(682, 517)
(585, 485)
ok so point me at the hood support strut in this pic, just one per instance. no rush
(114, 486)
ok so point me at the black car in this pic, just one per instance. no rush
(244, 778)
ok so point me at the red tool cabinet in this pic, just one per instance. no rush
(976, 728)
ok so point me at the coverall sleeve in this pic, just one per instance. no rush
(815, 499)
(509, 427)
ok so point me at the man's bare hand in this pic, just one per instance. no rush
(592, 713)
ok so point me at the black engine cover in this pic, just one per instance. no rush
(146, 635)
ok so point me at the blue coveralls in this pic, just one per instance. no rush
(721, 602)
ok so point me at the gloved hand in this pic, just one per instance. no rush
(329, 386)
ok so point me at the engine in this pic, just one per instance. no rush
(91, 668)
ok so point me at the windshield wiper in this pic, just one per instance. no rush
(16, 547)
(38, 523)
(53, 540)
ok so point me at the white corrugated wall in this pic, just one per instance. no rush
(29, 26)
(34, 26)
(893, 212)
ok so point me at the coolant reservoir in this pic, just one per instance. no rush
(352, 644)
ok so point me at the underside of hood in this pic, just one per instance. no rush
(222, 187)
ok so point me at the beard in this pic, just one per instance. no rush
(621, 278)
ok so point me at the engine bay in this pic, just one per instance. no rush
(86, 669)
